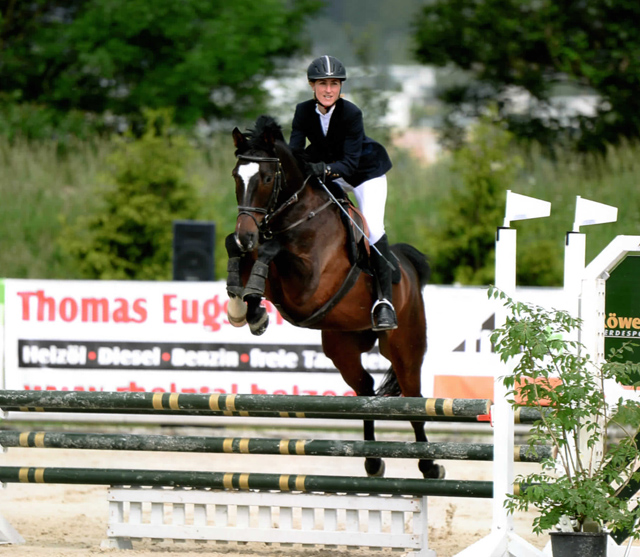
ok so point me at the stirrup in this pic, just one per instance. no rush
(386, 320)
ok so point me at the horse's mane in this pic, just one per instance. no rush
(265, 134)
(266, 127)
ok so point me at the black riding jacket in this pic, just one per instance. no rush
(346, 149)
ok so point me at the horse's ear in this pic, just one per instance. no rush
(239, 140)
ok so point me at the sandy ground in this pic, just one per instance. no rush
(70, 520)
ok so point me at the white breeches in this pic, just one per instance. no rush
(371, 197)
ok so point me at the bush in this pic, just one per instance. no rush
(465, 246)
(33, 122)
(131, 236)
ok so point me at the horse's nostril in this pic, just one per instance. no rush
(245, 243)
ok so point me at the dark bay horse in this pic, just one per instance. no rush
(291, 246)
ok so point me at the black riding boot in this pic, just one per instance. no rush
(383, 315)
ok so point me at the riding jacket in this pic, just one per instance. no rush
(350, 154)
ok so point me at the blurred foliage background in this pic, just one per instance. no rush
(115, 119)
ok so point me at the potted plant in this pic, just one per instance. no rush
(584, 489)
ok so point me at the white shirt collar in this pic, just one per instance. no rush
(325, 118)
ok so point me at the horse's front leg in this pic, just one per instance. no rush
(237, 308)
(254, 290)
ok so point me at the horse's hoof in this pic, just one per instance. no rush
(435, 472)
(260, 326)
(237, 321)
(375, 467)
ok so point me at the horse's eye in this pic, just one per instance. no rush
(268, 180)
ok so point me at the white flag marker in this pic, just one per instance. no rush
(522, 207)
(592, 212)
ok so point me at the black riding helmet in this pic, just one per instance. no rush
(326, 67)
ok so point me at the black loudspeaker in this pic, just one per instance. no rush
(193, 250)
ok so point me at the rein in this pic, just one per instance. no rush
(270, 212)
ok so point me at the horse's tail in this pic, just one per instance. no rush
(419, 261)
(389, 385)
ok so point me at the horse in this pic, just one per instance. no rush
(291, 246)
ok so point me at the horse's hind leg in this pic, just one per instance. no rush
(374, 466)
(428, 468)
(406, 353)
(344, 349)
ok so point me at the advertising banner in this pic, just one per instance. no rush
(622, 308)
(175, 337)
(152, 336)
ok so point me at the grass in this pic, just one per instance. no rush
(217, 192)
(41, 187)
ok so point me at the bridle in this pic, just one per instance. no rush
(271, 211)
(275, 191)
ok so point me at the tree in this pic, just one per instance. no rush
(203, 58)
(536, 46)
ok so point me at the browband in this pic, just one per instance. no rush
(258, 159)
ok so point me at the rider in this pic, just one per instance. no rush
(340, 151)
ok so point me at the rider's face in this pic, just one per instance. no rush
(327, 91)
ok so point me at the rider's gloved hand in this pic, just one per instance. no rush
(318, 169)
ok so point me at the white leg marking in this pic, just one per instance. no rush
(237, 312)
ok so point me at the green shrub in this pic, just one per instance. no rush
(218, 194)
(465, 247)
(33, 122)
(131, 236)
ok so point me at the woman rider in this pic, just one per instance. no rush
(340, 151)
